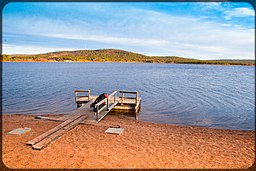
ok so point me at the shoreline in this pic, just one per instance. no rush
(132, 118)
(126, 62)
(141, 145)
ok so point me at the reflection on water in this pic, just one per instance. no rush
(202, 95)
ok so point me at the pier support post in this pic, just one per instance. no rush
(136, 117)
(122, 98)
(97, 113)
(78, 105)
(137, 98)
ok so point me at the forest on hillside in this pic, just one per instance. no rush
(114, 55)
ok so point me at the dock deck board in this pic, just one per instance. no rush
(118, 99)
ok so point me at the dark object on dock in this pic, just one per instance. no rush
(98, 99)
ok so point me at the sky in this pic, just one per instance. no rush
(214, 30)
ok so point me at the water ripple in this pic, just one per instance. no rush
(202, 95)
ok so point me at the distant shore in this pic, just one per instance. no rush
(123, 62)
(115, 55)
(142, 145)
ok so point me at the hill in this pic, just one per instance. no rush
(114, 55)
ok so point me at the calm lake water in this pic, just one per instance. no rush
(201, 95)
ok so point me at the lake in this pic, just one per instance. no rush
(182, 94)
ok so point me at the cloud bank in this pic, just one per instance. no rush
(132, 28)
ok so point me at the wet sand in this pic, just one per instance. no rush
(142, 145)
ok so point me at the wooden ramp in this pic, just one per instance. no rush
(46, 138)
(83, 114)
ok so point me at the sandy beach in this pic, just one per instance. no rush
(141, 145)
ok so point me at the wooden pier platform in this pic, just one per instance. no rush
(123, 102)
(84, 114)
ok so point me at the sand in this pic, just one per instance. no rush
(142, 145)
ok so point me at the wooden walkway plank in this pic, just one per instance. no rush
(58, 127)
(83, 109)
(43, 143)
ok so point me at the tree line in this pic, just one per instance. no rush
(114, 55)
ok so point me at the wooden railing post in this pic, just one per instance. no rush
(89, 93)
(107, 103)
(137, 98)
(75, 95)
(115, 98)
(97, 113)
(122, 98)
(82, 91)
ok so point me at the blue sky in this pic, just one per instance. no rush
(197, 30)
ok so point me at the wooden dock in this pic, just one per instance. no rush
(84, 114)
(123, 102)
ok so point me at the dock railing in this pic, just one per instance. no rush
(122, 97)
(80, 96)
(106, 104)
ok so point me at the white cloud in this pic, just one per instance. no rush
(110, 39)
(239, 12)
(20, 49)
(211, 5)
(142, 31)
